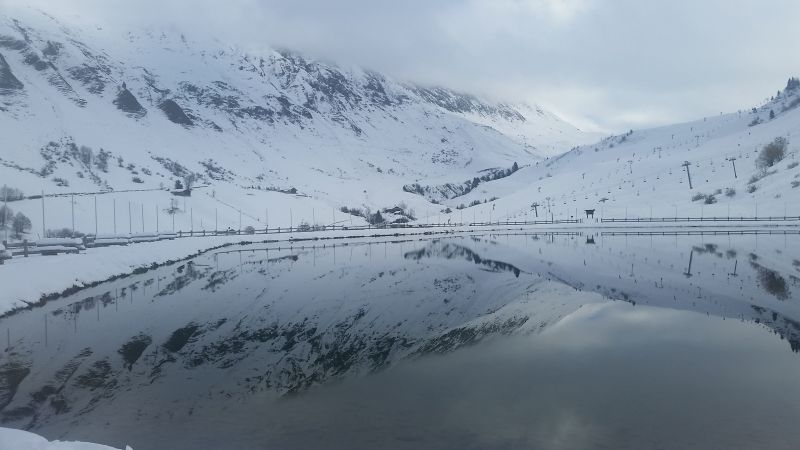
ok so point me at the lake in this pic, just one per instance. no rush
(512, 340)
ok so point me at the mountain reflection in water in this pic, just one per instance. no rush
(513, 340)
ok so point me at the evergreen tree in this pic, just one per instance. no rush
(376, 218)
(793, 84)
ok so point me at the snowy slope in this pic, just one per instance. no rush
(23, 440)
(88, 109)
(641, 173)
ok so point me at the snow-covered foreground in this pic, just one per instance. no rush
(11, 439)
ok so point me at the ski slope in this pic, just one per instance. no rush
(642, 173)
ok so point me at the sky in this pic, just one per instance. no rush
(604, 65)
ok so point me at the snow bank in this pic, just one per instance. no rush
(11, 439)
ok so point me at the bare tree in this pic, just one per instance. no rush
(20, 224)
(772, 153)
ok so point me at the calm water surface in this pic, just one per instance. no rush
(480, 341)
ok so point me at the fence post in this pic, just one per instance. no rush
(25, 247)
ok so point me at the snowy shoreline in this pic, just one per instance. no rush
(24, 288)
(11, 438)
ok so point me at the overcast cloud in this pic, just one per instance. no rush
(605, 65)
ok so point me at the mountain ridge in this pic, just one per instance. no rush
(165, 108)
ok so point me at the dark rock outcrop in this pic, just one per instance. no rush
(7, 79)
(175, 113)
(126, 101)
(91, 77)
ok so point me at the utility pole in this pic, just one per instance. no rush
(686, 164)
(290, 220)
(240, 221)
(156, 219)
(5, 211)
(142, 217)
(115, 216)
(732, 159)
(43, 229)
(95, 216)
(130, 221)
(215, 221)
(72, 205)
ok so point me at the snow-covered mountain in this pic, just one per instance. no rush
(282, 139)
(93, 109)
